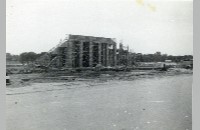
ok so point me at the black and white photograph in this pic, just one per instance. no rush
(99, 64)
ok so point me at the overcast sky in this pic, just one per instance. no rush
(146, 26)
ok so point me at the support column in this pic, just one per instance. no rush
(59, 58)
(90, 54)
(81, 55)
(103, 54)
(69, 55)
(99, 53)
(107, 55)
(114, 55)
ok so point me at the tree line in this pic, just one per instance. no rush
(25, 57)
(158, 57)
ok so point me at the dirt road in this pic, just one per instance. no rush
(159, 103)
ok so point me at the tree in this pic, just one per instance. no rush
(28, 57)
(157, 56)
(8, 57)
(41, 54)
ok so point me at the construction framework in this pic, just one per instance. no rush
(78, 51)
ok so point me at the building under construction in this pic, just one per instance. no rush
(84, 51)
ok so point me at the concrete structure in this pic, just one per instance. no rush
(85, 51)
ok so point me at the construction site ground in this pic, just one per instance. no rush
(23, 80)
(136, 100)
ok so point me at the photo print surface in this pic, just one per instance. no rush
(99, 64)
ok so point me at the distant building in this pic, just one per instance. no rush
(168, 61)
(186, 63)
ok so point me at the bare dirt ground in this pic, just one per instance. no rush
(22, 80)
(137, 100)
